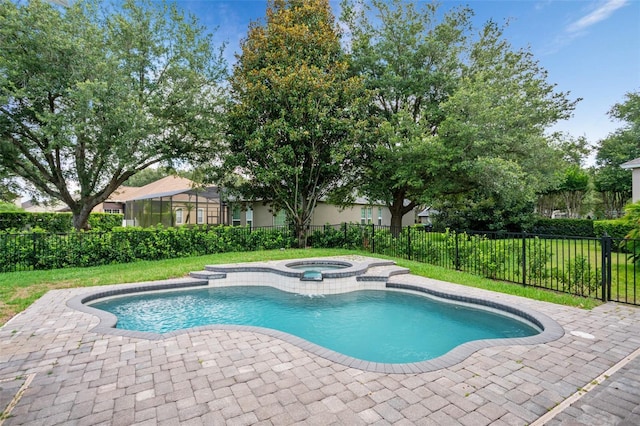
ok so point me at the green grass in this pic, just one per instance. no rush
(18, 290)
(564, 258)
(470, 280)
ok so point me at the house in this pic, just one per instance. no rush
(49, 207)
(634, 166)
(170, 201)
(176, 201)
(258, 214)
(427, 216)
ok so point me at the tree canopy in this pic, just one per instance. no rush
(610, 180)
(94, 93)
(462, 115)
(293, 122)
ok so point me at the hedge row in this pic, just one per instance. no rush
(55, 222)
(79, 249)
(564, 227)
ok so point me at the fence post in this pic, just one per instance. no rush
(344, 233)
(408, 242)
(35, 254)
(606, 245)
(456, 260)
(524, 258)
(373, 239)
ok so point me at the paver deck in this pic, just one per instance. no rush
(65, 373)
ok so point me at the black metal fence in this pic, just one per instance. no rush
(604, 268)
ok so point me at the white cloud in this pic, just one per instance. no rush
(600, 14)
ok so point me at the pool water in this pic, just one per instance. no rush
(378, 326)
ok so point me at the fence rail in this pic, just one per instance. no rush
(604, 268)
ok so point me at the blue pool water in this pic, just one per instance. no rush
(378, 326)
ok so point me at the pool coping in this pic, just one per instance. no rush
(551, 330)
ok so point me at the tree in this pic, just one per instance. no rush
(293, 121)
(8, 187)
(147, 176)
(568, 185)
(459, 120)
(501, 110)
(573, 189)
(92, 94)
(412, 65)
(610, 180)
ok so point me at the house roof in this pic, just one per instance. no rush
(209, 193)
(51, 207)
(633, 164)
(165, 187)
(428, 212)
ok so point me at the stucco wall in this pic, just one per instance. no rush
(328, 214)
(635, 193)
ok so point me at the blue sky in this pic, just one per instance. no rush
(590, 48)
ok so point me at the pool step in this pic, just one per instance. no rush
(382, 273)
(208, 275)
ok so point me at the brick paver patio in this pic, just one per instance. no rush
(55, 370)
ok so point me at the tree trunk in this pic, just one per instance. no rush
(396, 221)
(301, 232)
(398, 209)
(81, 218)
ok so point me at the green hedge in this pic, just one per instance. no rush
(564, 227)
(56, 222)
(40, 250)
(617, 228)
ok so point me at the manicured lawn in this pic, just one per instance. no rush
(18, 290)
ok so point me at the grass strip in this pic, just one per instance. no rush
(18, 290)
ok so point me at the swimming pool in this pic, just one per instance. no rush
(362, 275)
(382, 326)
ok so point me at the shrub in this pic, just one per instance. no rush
(42, 250)
(56, 222)
(617, 229)
(564, 227)
(578, 277)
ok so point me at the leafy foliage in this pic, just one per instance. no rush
(55, 222)
(615, 228)
(613, 182)
(147, 176)
(294, 116)
(632, 219)
(92, 94)
(459, 121)
(41, 250)
(564, 227)
(411, 64)
(9, 207)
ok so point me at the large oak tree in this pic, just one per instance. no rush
(461, 115)
(94, 93)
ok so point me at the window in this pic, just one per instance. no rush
(280, 219)
(235, 213)
(366, 215)
(179, 216)
(250, 217)
(200, 216)
(379, 216)
(112, 211)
